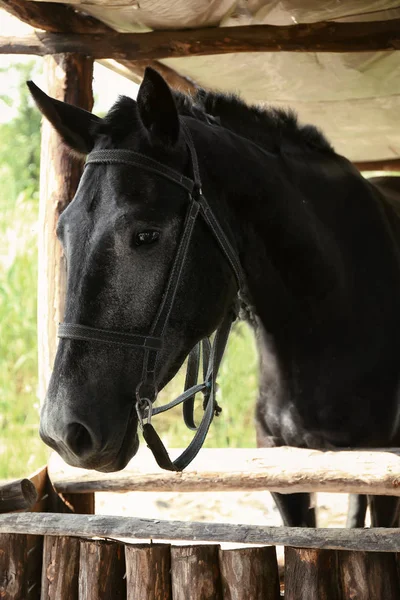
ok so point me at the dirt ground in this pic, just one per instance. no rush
(256, 508)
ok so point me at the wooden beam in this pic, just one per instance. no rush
(55, 17)
(69, 79)
(172, 77)
(105, 526)
(314, 37)
(390, 164)
(17, 495)
(52, 16)
(286, 470)
(29, 44)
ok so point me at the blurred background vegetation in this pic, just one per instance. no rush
(21, 450)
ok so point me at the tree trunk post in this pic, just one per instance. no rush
(60, 568)
(195, 572)
(69, 79)
(20, 566)
(250, 573)
(365, 575)
(102, 570)
(148, 571)
(311, 574)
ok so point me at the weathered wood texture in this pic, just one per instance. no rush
(250, 570)
(20, 566)
(366, 576)
(59, 18)
(313, 37)
(52, 16)
(40, 480)
(285, 470)
(17, 495)
(102, 571)
(379, 165)
(69, 78)
(195, 573)
(148, 572)
(311, 575)
(53, 524)
(60, 567)
(134, 70)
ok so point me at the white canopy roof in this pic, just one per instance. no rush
(353, 97)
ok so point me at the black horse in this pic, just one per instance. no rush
(318, 247)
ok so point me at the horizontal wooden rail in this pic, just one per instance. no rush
(390, 164)
(61, 18)
(369, 540)
(285, 470)
(311, 37)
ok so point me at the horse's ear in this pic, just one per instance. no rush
(157, 107)
(74, 124)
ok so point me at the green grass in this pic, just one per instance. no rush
(21, 450)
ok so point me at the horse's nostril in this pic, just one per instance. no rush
(79, 439)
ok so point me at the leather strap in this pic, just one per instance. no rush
(135, 159)
(153, 440)
(82, 332)
(192, 376)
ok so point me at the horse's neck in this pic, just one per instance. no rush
(292, 261)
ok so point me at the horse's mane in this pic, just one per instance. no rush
(269, 127)
(264, 125)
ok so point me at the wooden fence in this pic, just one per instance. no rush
(57, 556)
(54, 557)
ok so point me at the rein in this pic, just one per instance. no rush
(151, 344)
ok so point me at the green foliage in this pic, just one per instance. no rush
(21, 450)
(20, 137)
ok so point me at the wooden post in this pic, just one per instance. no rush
(20, 566)
(250, 573)
(60, 568)
(195, 573)
(312, 575)
(69, 78)
(102, 571)
(17, 495)
(148, 572)
(366, 575)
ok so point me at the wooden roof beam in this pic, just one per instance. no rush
(390, 164)
(314, 37)
(56, 18)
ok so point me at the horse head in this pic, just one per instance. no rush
(121, 235)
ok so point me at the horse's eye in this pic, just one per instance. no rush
(146, 237)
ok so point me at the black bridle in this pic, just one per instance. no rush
(146, 391)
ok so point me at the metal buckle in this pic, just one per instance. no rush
(144, 410)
